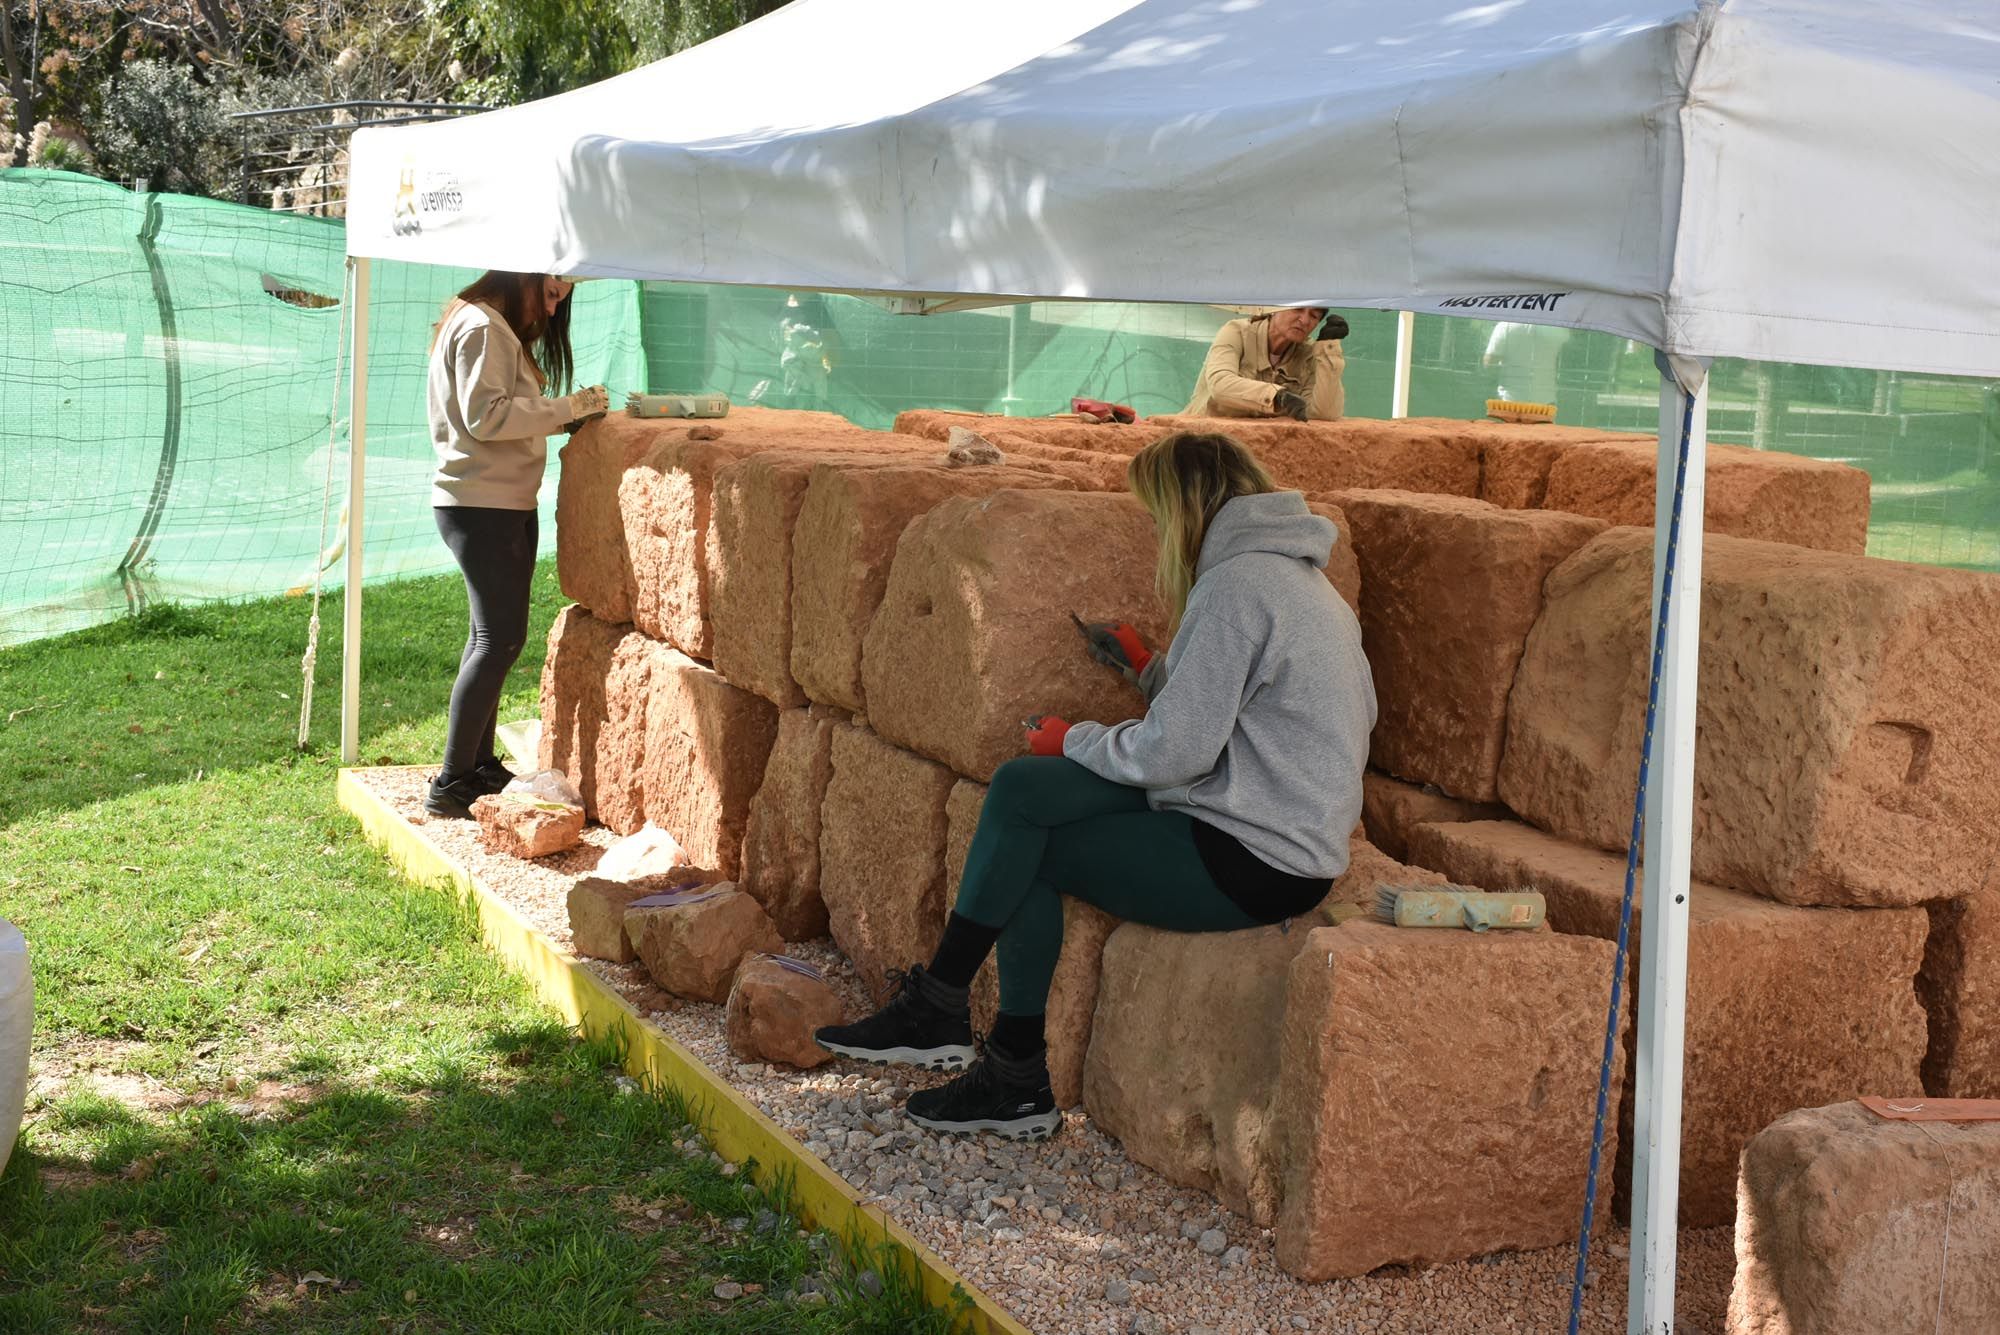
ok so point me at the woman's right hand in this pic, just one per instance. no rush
(588, 402)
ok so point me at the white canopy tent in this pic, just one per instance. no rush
(1788, 180)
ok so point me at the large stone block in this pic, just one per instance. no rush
(1437, 1091)
(706, 746)
(882, 837)
(597, 907)
(1452, 588)
(1847, 727)
(757, 503)
(842, 544)
(1391, 809)
(594, 701)
(692, 949)
(1121, 438)
(1851, 1222)
(1960, 988)
(1352, 452)
(974, 634)
(1090, 470)
(1786, 1007)
(782, 834)
(523, 827)
(1515, 457)
(1763, 494)
(593, 561)
(775, 1007)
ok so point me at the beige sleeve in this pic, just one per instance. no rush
(484, 372)
(1326, 397)
(1230, 392)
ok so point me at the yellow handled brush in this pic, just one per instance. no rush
(1509, 410)
(1456, 906)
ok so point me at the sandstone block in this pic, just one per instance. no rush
(1062, 429)
(525, 828)
(881, 860)
(1515, 457)
(1352, 452)
(1492, 1155)
(1453, 588)
(593, 562)
(1391, 809)
(691, 948)
(1850, 1222)
(597, 907)
(757, 503)
(1960, 988)
(1367, 868)
(974, 634)
(1786, 1007)
(1763, 494)
(1091, 470)
(595, 682)
(775, 1005)
(1847, 722)
(706, 746)
(781, 835)
(841, 546)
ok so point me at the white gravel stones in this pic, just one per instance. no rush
(1112, 1220)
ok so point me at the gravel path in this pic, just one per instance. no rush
(1069, 1235)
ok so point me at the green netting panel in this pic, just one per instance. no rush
(167, 375)
(1927, 441)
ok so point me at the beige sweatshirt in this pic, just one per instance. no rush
(489, 420)
(1238, 378)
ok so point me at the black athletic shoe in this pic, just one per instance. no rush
(1007, 1096)
(925, 1024)
(491, 776)
(454, 800)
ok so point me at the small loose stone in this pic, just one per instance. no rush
(1148, 1324)
(1235, 1256)
(1213, 1242)
(729, 1291)
(1117, 1291)
(869, 1283)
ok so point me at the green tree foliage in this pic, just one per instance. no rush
(157, 121)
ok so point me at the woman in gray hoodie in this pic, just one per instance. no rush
(1227, 806)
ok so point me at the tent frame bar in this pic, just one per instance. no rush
(357, 472)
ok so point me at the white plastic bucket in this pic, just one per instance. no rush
(17, 1024)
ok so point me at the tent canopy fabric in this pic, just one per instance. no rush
(1797, 180)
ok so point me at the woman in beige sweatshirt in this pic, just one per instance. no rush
(502, 342)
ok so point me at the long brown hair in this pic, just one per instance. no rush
(518, 299)
(1183, 480)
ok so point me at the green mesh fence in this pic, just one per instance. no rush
(167, 369)
(165, 386)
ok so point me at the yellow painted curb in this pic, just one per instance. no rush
(737, 1129)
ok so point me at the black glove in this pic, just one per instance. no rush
(1287, 404)
(1334, 326)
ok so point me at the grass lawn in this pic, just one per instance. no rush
(278, 1088)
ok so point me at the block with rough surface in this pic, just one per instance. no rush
(1853, 1223)
(1515, 457)
(1436, 1094)
(1103, 437)
(1786, 1007)
(597, 907)
(692, 949)
(1960, 988)
(527, 829)
(973, 633)
(593, 560)
(841, 547)
(773, 1011)
(881, 859)
(1848, 718)
(1452, 586)
(782, 833)
(1352, 452)
(1764, 494)
(1390, 809)
(1090, 470)
(594, 687)
(706, 745)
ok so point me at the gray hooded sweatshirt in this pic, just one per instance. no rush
(1262, 706)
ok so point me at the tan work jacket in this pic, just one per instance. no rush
(1238, 379)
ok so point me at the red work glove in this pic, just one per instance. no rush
(1045, 735)
(1114, 644)
(1104, 412)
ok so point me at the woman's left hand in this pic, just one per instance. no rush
(1045, 735)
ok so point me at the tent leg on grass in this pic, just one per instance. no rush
(357, 468)
(1669, 816)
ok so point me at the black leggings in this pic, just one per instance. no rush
(496, 551)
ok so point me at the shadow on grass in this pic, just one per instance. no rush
(214, 687)
(537, 1194)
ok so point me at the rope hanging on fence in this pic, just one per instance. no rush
(310, 661)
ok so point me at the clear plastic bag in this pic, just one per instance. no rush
(647, 851)
(545, 785)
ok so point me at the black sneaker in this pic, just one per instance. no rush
(1008, 1096)
(454, 800)
(491, 776)
(925, 1024)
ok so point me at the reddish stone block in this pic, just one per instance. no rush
(1786, 1007)
(597, 909)
(882, 837)
(1352, 452)
(1847, 725)
(1453, 587)
(842, 542)
(693, 949)
(775, 1007)
(706, 746)
(1063, 429)
(1960, 988)
(594, 688)
(525, 828)
(782, 835)
(1515, 457)
(593, 561)
(1391, 809)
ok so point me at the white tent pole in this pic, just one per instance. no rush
(357, 469)
(1406, 340)
(1669, 817)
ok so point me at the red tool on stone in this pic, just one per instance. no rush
(1100, 411)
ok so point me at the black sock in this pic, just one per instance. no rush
(964, 948)
(1020, 1035)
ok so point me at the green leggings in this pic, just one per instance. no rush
(1051, 828)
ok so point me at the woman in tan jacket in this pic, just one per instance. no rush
(1270, 366)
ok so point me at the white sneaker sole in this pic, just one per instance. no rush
(1039, 1127)
(950, 1057)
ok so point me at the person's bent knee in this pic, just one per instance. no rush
(1021, 778)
